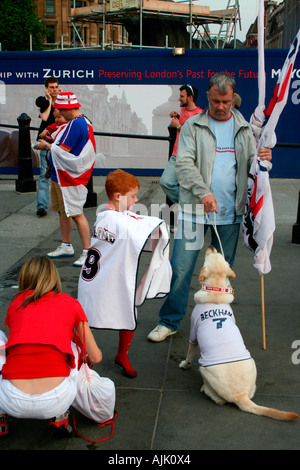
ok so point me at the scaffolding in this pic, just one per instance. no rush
(197, 21)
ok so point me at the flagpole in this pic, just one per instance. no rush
(261, 102)
(262, 288)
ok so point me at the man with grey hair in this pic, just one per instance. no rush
(214, 156)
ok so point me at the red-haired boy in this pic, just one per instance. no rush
(108, 289)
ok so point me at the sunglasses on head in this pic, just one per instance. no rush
(191, 88)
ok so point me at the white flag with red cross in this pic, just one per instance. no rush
(259, 218)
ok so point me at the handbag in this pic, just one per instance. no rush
(95, 396)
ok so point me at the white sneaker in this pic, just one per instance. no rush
(160, 333)
(62, 251)
(81, 259)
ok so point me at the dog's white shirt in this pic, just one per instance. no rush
(214, 329)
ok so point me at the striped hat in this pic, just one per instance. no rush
(66, 100)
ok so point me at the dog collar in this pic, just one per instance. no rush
(223, 290)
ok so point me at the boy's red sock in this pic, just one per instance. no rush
(125, 338)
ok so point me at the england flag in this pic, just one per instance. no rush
(259, 218)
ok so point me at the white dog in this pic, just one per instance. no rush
(227, 369)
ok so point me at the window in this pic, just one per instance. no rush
(50, 7)
(50, 33)
(78, 3)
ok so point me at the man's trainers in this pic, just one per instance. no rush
(62, 251)
(60, 426)
(160, 333)
(41, 212)
(81, 260)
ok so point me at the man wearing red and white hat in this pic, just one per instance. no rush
(72, 160)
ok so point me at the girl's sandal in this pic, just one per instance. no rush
(4, 428)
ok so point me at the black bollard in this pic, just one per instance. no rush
(91, 198)
(172, 137)
(296, 226)
(25, 182)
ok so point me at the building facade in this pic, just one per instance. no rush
(282, 20)
(64, 32)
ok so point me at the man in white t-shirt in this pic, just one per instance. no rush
(215, 152)
(187, 98)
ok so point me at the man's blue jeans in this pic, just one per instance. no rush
(183, 262)
(169, 182)
(42, 195)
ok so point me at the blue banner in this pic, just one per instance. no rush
(161, 67)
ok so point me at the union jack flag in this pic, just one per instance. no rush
(259, 218)
(73, 172)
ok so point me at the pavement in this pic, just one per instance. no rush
(162, 411)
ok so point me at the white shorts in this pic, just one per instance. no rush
(47, 405)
